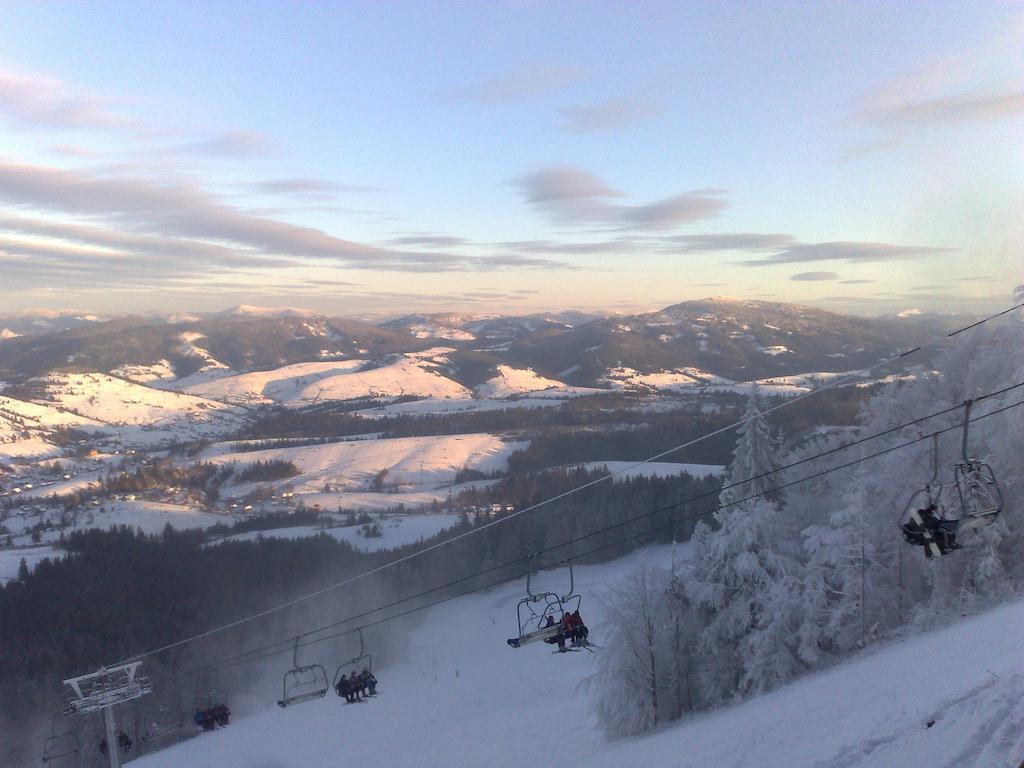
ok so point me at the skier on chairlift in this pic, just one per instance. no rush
(942, 532)
(369, 682)
(566, 631)
(355, 686)
(344, 689)
(579, 629)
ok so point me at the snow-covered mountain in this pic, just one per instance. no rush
(725, 339)
(39, 321)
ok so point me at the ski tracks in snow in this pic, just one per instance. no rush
(983, 728)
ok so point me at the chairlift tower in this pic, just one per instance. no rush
(100, 691)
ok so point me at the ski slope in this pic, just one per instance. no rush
(463, 699)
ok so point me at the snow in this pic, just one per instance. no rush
(464, 699)
(162, 370)
(11, 557)
(433, 405)
(396, 531)
(24, 427)
(431, 331)
(512, 381)
(156, 415)
(303, 384)
(248, 310)
(777, 349)
(150, 516)
(412, 463)
(627, 469)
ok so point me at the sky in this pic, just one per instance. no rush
(373, 159)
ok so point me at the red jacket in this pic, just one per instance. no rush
(567, 622)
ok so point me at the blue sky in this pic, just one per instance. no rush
(379, 158)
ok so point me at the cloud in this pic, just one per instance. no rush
(37, 101)
(856, 282)
(425, 240)
(137, 221)
(978, 83)
(815, 276)
(564, 185)
(606, 116)
(305, 187)
(552, 246)
(512, 86)
(950, 109)
(851, 252)
(238, 143)
(738, 241)
(516, 260)
(572, 196)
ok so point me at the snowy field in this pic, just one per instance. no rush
(150, 516)
(11, 557)
(396, 531)
(464, 700)
(412, 463)
(136, 414)
(303, 384)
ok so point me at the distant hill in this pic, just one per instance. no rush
(737, 339)
(732, 339)
(179, 349)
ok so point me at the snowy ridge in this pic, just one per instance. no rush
(25, 428)
(157, 415)
(305, 384)
(513, 381)
(689, 379)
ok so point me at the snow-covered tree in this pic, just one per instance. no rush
(755, 458)
(746, 576)
(633, 669)
(847, 584)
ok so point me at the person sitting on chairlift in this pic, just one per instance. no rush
(579, 629)
(343, 689)
(355, 686)
(369, 682)
(943, 532)
(566, 631)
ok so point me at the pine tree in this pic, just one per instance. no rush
(746, 576)
(754, 458)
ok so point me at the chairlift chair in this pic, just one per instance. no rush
(981, 501)
(916, 530)
(62, 742)
(303, 682)
(981, 498)
(362, 660)
(533, 611)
